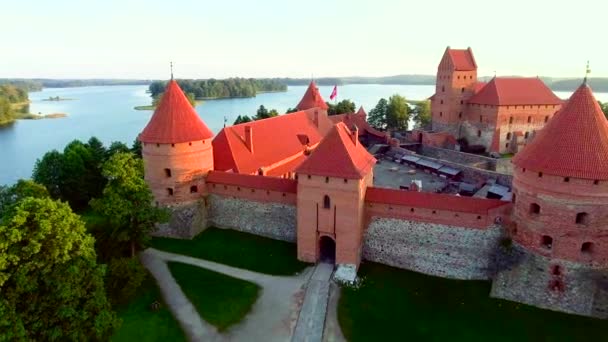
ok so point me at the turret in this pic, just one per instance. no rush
(312, 99)
(561, 185)
(176, 148)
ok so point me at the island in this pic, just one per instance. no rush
(57, 98)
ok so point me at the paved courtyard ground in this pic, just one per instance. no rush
(388, 174)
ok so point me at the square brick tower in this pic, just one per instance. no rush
(331, 190)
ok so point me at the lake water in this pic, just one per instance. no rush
(107, 113)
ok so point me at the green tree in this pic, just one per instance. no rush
(343, 107)
(397, 113)
(378, 116)
(262, 113)
(98, 151)
(422, 114)
(291, 110)
(117, 147)
(48, 171)
(7, 115)
(127, 202)
(242, 119)
(136, 148)
(273, 113)
(10, 196)
(52, 287)
(604, 107)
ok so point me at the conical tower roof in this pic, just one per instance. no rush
(312, 98)
(174, 120)
(573, 144)
(338, 155)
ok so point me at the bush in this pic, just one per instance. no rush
(124, 277)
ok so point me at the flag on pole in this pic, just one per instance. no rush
(334, 93)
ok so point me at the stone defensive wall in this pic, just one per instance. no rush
(441, 235)
(259, 205)
(553, 284)
(470, 173)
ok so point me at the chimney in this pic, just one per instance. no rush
(249, 138)
(316, 118)
(355, 135)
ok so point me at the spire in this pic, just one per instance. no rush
(573, 144)
(171, 64)
(312, 98)
(174, 120)
(587, 72)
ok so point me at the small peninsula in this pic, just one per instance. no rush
(57, 98)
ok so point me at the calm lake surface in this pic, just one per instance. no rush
(107, 113)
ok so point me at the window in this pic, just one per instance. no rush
(540, 175)
(442, 88)
(440, 114)
(566, 179)
(582, 218)
(168, 173)
(172, 145)
(460, 115)
(534, 208)
(326, 179)
(189, 144)
(458, 77)
(509, 136)
(326, 202)
(479, 217)
(461, 102)
(556, 270)
(510, 120)
(193, 189)
(441, 101)
(547, 242)
(345, 180)
(478, 133)
(587, 248)
(157, 145)
(526, 135)
(480, 118)
(596, 182)
(412, 209)
(170, 191)
(462, 90)
(308, 176)
(546, 118)
(507, 145)
(529, 119)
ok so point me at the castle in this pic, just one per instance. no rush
(306, 178)
(502, 115)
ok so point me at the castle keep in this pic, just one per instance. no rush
(307, 178)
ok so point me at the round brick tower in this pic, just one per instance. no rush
(560, 186)
(176, 148)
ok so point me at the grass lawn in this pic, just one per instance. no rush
(139, 323)
(219, 299)
(238, 249)
(394, 304)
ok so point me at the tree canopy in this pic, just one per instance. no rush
(242, 119)
(11, 195)
(392, 114)
(52, 287)
(212, 88)
(342, 107)
(422, 114)
(604, 106)
(127, 201)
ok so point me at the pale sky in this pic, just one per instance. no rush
(286, 38)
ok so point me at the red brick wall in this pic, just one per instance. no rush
(188, 164)
(450, 99)
(249, 193)
(559, 203)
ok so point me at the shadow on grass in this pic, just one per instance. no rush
(221, 300)
(237, 249)
(394, 304)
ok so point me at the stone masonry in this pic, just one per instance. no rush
(435, 249)
(273, 220)
(185, 222)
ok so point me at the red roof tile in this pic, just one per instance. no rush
(505, 91)
(284, 168)
(251, 181)
(274, 140)
(431, 200)
(357, 119)
(459, 60)
(174, 120)
(312, 98)
(478, 86)
(338, 156)
(574, 143)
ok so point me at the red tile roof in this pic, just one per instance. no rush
(312, 98)
(574, 143)
(274, 140)
(478, 86)
(284, 168)
(251, 181)
(174, 120)
(338, 156)
(357, 119)
(431, 200)
(505, 91)
(461, 60)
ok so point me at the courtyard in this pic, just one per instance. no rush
(388, 174)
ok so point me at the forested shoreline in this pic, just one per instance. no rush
(216, 89)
